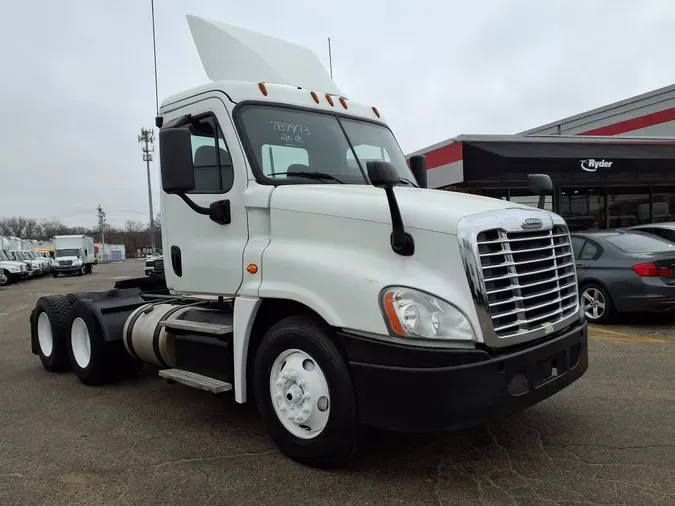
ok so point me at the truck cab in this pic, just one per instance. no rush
(310, 270)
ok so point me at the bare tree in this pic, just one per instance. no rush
(134, 226)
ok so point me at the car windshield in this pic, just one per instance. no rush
(67, 252)
(640, 243)
(3, 256)
(316, 147)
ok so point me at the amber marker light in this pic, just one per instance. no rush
(330, 100)
(315, 97)
(377, 113)
(252, 268)
(263, 88)
(343, 102)
(391, 314)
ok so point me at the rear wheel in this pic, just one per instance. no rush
(48, 329)
(94, 360)
(596, 304)
(304, 393)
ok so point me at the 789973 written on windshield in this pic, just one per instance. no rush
(291, 133)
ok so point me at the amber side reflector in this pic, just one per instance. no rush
(252, 268)
(330, 100)
(315, 97)
(263, 89)
(377, 113)
(343, 102)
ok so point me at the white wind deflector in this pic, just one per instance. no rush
(230, 53)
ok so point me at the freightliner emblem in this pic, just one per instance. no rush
(530, 223)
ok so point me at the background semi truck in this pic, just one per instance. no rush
(74, 254)
(343, 292)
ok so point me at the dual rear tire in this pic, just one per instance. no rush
(68, 336)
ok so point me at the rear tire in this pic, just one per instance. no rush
(48, 329)
(596, 304)
(302, 383)
(93, 360)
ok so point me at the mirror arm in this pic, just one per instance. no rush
(401, 241)
(195, 207)
(542, 201)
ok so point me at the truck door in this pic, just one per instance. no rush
(200, 255)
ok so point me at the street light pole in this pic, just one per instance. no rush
(147, 138)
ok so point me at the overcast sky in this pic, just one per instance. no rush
(76, 79)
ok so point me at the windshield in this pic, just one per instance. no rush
(67, 253)
(285, 141)
(3, 255)
(640, 243)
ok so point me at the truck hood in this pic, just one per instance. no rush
(62, 259)
(422, 209)
(11, 263)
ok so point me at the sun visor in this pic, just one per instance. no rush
(230, 53)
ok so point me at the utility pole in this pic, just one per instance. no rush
(147, 138)
(101, 229)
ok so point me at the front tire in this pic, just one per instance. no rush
(596, 303)
(305, 394)
(94, 360)
(4, 278)
(48, 329)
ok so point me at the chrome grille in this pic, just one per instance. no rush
(159, 266)
(65, 263)
(529, 278)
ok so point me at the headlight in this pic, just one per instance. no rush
(13, 269)
(411, 313)
(77, 262)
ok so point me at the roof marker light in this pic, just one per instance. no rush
(315, 97)
(263, 89)
(377, 113)
(330, 100)
(343, 102)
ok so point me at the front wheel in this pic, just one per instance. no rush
(4, 277)
(596, 304)
(305, 394)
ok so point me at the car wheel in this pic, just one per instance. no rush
(4, 278)
(596, 304)
(48, 330)
(305, 394)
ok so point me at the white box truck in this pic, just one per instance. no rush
(344, 292)
(74, 254)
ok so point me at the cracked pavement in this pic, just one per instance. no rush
(607, 439)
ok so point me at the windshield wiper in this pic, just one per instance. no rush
(407, 181)
(318, 176)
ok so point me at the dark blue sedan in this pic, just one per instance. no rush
(622, 271)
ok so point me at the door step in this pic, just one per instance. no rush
(195, 380)
(192, 327)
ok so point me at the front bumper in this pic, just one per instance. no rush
(413, 389)
(70, 269)
(18, 276)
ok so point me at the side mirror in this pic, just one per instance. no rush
(540, 184)
(418, 166)
(382, 174)
(175, 153)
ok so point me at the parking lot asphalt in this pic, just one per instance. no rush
(607, 439)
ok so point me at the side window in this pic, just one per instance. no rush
(367, 154)
(210, 157)
(281, 159)
(667, 234)
(577, 246)
(589, 252)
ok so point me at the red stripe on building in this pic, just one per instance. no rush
(443, 156)
(629, 125)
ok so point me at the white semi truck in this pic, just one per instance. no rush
(74, 254)
(10, 270)
(332, 290)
